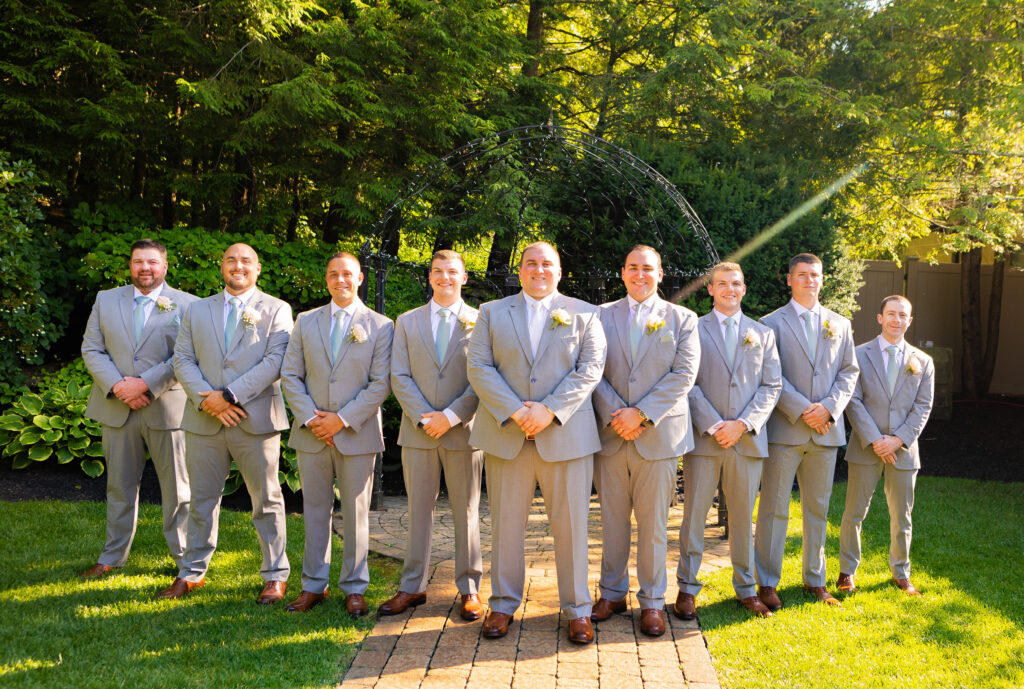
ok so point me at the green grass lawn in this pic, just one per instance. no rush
(967, 630)
(59, 631)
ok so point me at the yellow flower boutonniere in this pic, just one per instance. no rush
(913, 366)
(828, 331)
(356, 334)
(654, 324)
(560, 317)
(750, 339)
(466, 322)
(250, 317)
(165, 304)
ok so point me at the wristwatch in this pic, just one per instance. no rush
(230, 397)
(643, 417)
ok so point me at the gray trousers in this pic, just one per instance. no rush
(354, 476)
(208, 458)
(462, 473)
(566, 489)
(629, 484)
(740, 477)
(813, 466)
(899, 494)
(124, 449)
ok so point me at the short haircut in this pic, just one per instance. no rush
(895, 297)
(803, 258)
(642, 247)
(448, 255)
(343, 254)
(720, 266)
(149, 244)
(537, 245)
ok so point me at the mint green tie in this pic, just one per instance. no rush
(232, 324)
(730, 340)
(636, 331)
(891, 369)
(337, 335)
(809, 329)
(139, 317)
(442, 336)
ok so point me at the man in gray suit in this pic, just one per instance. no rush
(819, 372)
(642, 411)
(228, 358)
(888, 411)
(738, 384)
(335, 376)
(534, 360)
(127, 348)
(428, 376)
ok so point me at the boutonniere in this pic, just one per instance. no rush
(913, 366)
(654, 324)
(750, 339)
(250, 317)
(828, 331)
(356, 334)
(165, 304)
(466, 322)
(560, 317)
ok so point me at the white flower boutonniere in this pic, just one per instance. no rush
(828, 331)
(357, 334)
(654, 324)
(913, 366)
(165, 304)
(750, 339)
(466, 322)
(250, 317)
(560, 317)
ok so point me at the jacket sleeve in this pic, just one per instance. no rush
(98, 361)
(253, 382)
(578, 385)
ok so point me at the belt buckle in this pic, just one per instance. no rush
(531, 436)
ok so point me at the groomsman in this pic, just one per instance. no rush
(642, 410)
(819, 372)
(534, 360)
(428, 376)
(228, 358)
(888, 411)
(127, 348)
(738, 384)
(335, 377)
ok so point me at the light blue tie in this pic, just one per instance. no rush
(892, 370)
(636, 331)
(809, 329)
(442, 336)
(232, 323)
(337, 335)
(139, 317)
(730, 340)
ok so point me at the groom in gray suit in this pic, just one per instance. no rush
(228, 358)
(534, 360)
(335, 376)
(428, 376)
(819, 372)
(738, 384)
(888, 411)
(641, 405)
(127, 348)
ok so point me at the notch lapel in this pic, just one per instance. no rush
(426, 332)
(453, 336)
(547, 333)
(359, 317)
(658, 311)
(620, 318)
(518, 313)
(124, 305)
(215, 312)
(710, 325)
(323, 325)
(799, 332)
(254, 304)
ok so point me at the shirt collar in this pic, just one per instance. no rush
(246, 296)
(647, 304)
(154, 294)
(454, 308)
(349, 310)
(800, 310)
(544, 303)
(721, 317)
(884, 344)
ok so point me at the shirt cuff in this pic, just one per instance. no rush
(453, 418)
(711, 429)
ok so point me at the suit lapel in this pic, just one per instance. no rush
(620, 318)
(518, 314)
(657, 312)
(156, 316)
(877, 365)
(323, 326)
(454, 335)
(745, 325)
(216, 315)
(124, 305)
(799, 332)
(711, 327)
(902, 375)
(254, 304)
(359, 317)
(548, 328)
(426, 332)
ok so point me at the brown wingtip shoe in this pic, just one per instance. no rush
(652, 621)
(355, 605)
(756, 606)
(273, 592)
(770, 597)
(472, 609)
(496, 625)
(581, 631)
(905, 586)
(605, 608)
(685, 607)
(822, 594)
(400, 602)
(95, 571)
(306, 600)
(180, 588)
(845, 583)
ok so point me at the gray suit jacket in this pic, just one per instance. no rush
(504, 374)
(355, 386)
(423, 384)
(746, 392)
(872, 412)
(829, 379)
(656, 383)
(110, 354)
(251, 367)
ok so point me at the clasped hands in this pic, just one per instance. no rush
(818, 418)
(435, 424)
(219, 408)
(325, 425)
(132, 391)
(627, 423)
(886, 447)
(532, 417)
(728, 433)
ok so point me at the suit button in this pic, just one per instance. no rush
(533, 380)
(440, 376)
(735, 384)
(332, 380)
(135, 358)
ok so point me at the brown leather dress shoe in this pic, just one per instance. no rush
(605, 608)
(905, 586)
(845, 583)
(496, 625)
(273, 592)
(581, 631)
(822, 594)
(472, 608)
(180, 588)
(685, 606)
(306, 600)
(355, 605)
(754, 605)
(95, 571)
(400, 602)
(652, 622)
(770, 597)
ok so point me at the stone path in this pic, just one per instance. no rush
(431, 647)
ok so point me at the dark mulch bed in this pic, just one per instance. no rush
(984, 440)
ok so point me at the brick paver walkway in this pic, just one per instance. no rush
(431, 647)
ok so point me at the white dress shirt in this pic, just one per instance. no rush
(453, 321)
(537, 325)
(147, 306)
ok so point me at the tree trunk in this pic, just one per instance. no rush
(293, 221)
(332, 220)
(995, 310)
(534, 37)
(970, 323)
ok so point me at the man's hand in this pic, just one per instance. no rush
(886, 447)
(139, 402)
(728, 433)
(326, 425)
(131, 389)
(533, 417)
(214, 403)
(627, 423)
(817, 417)
(232, 416)
(435, 424)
